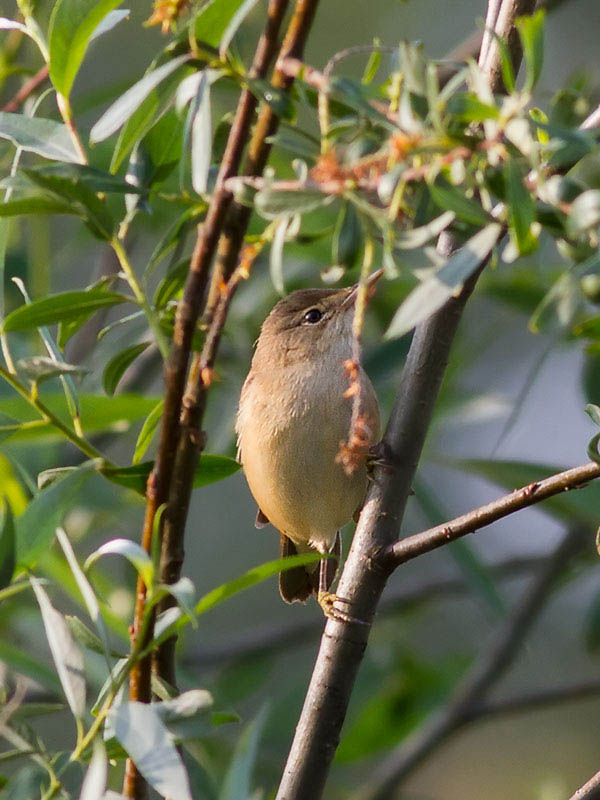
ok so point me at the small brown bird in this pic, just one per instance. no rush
(294, 414)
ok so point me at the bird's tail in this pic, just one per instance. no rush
(298, 584)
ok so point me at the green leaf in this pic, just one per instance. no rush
(274, 203)
(147, 432)
(213, 20)
(42, 368)
(62, 307)
(94, 179)
(118, 364)
(36, 526)
(531, 33)
(451, 198)
(520, 208)
(201, 135)
(132, 551)
(211, 468)
(187, 716)
(417, 237)
(35, 204)
(72, 24)
(237, 784)
(276, 256)
(7, 544)
(468, 108)
(66, 183)
(347, 237)
(36, 135)
(66, 653)
(143, 735)
(98, 413)
(170, 286)
(88, 638)
(433, 292)
(24, 664)
(584, 213)
(123, 108)
(593, 412)
(233, 25)
(577, 506)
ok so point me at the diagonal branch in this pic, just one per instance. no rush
(472, 691)
(362, 582)
(590, 790)
(413, 546)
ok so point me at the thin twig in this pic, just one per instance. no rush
(473, 690)
(190, 441)
(532, 701)
(26, 90)
(413, 546)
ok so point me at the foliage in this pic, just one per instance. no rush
(362, 172)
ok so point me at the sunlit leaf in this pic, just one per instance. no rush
(233, 25)
(122, 109)
(521, 209)
(60, 308)
(94, 783)
(146, 739)
(585, 212)
(67, 656)
(36, 135)
(72, 25)
(210, 469)
(531, 33)
(276, 256)
(433, 292)
(200, 124)
(132, 551)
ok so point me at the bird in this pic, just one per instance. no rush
(294, 415)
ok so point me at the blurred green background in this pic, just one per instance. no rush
(509, 394)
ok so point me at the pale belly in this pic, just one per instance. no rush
(290, 465)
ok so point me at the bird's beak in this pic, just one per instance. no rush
(371, 281)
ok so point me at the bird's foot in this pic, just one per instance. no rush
(327, 600)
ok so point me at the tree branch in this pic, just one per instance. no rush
(185, 323)
(590, 790)
(27, 89)
(362, 582)
(191, 440)
(413, 546)
(486, 672)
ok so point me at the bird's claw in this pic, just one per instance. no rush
(327, 600)
(380, 455)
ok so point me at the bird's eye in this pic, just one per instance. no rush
(312, 315)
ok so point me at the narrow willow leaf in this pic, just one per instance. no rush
(42, 368)
(584, 213)
(147, 432)
(170, 286)
(417, 237)
(94, 179)
(276, 256)
(433, 292)
(36, 526)
(347, 237)
(211, 468)
(142, 734)
(132, 551)
(7, 544)
(188, 715)
(451, 198)
(61, 307)
(234, 23)
(35, 204)
(122, 109)
(184, 593)
(84, 586)
(11, 25)
(275, 203)
(110, 21)
(94, 783)
(36, 135)
(237, 784)
(201, 135)
(593, 412)
(521, 209)
(66, 653)
(118, 364)
(531, 33)
(72, 24)
(213, 19)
